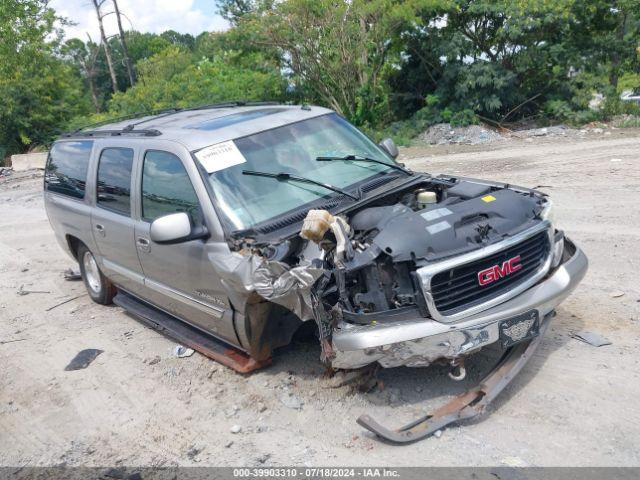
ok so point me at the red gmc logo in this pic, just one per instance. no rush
(491, 274)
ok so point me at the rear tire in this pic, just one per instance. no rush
(100, 289)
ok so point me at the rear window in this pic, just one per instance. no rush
(114, 179)
(66, 171)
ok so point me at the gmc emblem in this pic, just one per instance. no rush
(491, 274)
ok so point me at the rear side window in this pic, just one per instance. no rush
(166, 187)
(66, 171)
(114, 179)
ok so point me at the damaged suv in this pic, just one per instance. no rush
(228, 226)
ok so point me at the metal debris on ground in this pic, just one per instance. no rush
(72, 275)
(83, 359)
(2, 342)
(21, 291)
(463, 407)
(64, 302)
(591, 338)
(180, 351)
(616, 294)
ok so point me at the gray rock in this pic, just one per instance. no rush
(236, 429)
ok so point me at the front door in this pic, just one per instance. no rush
(179, 278)
(111, 222)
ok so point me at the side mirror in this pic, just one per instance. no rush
(175, 228)
(389, 146)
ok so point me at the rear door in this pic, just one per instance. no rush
(66, 193)
(179, 278)
(111, 222)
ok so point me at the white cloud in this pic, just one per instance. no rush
(154, 16)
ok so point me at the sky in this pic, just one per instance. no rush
(156, 16)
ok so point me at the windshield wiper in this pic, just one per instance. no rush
(355, 158)
(284, 176)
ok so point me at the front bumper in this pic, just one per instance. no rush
(419, 342)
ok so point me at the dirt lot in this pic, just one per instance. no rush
(573, 404)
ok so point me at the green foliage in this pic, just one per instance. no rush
(173, 79)
(404, 131)
(338, 53)
(392, 67)
(40, 92)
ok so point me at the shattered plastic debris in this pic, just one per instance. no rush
(72, 275)
(591, 338)
(181, 352)
(83, 359)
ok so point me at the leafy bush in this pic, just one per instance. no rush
(172, 79)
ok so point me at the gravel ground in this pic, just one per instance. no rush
(573, 404)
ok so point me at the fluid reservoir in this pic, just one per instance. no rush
(425, 197)
(316, 224)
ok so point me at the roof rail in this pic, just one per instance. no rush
(128, 130)
(131, 116)
(170, 111)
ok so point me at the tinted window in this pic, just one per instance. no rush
(114, 179)
(166, 187)
(66, 171)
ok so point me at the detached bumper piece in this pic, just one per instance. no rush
(207, 345)
(468, 405)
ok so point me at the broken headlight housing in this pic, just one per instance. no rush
(548, 212)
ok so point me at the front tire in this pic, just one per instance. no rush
(100, 289)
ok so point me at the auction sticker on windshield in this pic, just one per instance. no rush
(220, 156)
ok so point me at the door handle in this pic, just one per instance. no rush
(100, 229)
(143, 244)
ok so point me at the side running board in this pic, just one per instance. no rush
(468, 405)
(192, 337)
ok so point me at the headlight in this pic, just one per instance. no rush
(558, 248)
(547, 212)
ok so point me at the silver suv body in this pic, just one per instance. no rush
(246, 221)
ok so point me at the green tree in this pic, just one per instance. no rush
(339, 53)
(173, 78)
(40, 92)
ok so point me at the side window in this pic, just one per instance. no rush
(166, 187)
(114, 179)
(66, 170)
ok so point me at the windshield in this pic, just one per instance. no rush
(250, 200)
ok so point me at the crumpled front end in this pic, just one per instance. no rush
(430, 271)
